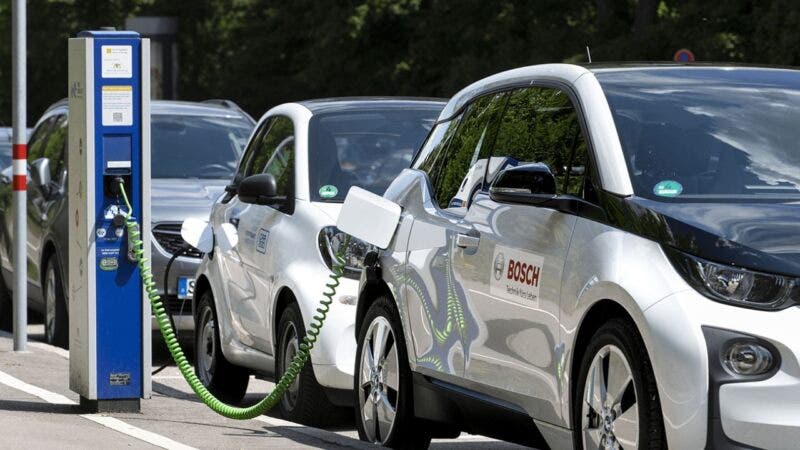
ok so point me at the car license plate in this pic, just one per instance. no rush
(185, 287)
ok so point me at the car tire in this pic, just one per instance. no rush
(226, 381)
(616, 396)
(56, 320)
(383, 389)
(305, 400)
(6, 307)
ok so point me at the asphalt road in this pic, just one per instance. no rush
(37, 410)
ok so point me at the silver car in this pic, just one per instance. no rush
(256, 299)
(629, 279)
(195, 147)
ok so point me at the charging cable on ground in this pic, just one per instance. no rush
(168, 332)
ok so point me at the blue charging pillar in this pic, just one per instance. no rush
(109, 141)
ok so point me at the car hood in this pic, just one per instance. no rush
(761, 236)
(174, 200)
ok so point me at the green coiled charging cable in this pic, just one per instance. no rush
(231, 412)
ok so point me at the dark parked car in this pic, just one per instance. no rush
(5, 150)
(194, 147)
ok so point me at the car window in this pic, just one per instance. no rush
(457, 176)
(212, 143)
(540, 125)
(245, 169)
(272, 151)
(433, 150)
(710, 134)
(38, 140)
(367, 147)
(55, 147)
(278, 145)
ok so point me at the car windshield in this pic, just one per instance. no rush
(703, 134)
(365, 148)
(186, 146)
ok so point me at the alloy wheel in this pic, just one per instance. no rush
(610, 411)
(206, 351)
(379, 380)
(291, 346)
(50, 303)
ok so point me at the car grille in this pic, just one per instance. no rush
(168, 236)
(178, 306)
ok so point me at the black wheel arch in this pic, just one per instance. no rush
(370, 291)
(201, 286)
(51, 250)
(284, 298)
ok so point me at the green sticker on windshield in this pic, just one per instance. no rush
(328, 191)
(668, 188)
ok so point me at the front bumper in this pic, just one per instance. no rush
(698, 404)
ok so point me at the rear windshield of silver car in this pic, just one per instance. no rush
(702, 134)
(364, 147)
(196, 146)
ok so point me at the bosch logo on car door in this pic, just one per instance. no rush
(516, 275)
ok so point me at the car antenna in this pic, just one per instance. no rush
(588, 53)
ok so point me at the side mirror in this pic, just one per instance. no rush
(534, 184)
(40, 172)
(531, 179)
(259, 189)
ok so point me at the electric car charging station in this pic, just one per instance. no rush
(109, 150)
(558, 256)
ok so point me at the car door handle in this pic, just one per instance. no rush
(466, 241)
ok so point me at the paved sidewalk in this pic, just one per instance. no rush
(37, 410)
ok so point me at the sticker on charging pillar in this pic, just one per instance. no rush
(116, 61)
(108, 258)
(117, 105)
(516, 275)
(328, 191)
(668, 188)
(119, 379)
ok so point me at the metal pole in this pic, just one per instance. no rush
(20, 154)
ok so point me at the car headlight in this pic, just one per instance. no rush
(330, 241)
(734, 285)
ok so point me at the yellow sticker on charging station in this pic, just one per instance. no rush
(117, 105)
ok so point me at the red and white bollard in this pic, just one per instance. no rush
(20, 171)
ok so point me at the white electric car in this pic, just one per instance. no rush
(631, 281)
(255, 296)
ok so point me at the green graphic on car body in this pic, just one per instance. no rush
(449, 325)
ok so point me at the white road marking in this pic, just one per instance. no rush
(49, 397)
(317, 433)
(106, 421)
(138, 433)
